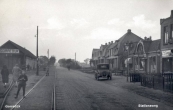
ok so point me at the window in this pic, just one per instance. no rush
(136, 63)
(116, 62)
(153, 62)
(171, 31)
(166, 35)
(103, 66)
(142, 64)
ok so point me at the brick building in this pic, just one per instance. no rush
(146, 57)
(167, 44)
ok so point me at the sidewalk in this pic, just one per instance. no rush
(32, 80)
(158, 95)
(2, 89)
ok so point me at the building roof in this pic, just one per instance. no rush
(23, 50)
(146, 45)
(95, 50)
(154, 46)
(113, 45)
(151, 46)
(128, 37)
(132, 48)
(105, 50)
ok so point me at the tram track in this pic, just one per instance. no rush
(53, 104)
(5, 94)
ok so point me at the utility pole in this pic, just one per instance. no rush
(48, 56)
(75, 58)
(37, 73)
(48, 53)
(128, 63)
(127, 49)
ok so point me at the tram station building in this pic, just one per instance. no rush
(12, 53)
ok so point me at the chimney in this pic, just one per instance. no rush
(145, 38)
(109, 43)
(171, 13)
(129, 30)
(150, 38)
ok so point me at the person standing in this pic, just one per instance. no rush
(22, 83)
(47, 71)
(16, 71)
(5, 74)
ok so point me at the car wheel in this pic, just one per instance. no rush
(110, 77)
(97, 78)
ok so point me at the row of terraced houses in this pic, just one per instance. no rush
(143, 55)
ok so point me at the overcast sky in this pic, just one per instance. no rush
(69, 26)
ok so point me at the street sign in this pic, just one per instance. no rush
(9, 50)
(167, 53)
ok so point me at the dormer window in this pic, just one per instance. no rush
(166, 35)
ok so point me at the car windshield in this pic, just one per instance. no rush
(103, 66)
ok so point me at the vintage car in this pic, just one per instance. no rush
(102, 70)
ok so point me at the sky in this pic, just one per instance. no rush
(67, 27)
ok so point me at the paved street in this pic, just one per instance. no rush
(76, 90)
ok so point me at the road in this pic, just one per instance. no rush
(80, 91)
(76, 90)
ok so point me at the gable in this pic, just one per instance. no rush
(140, 48)
(11, 45)
(8, 45)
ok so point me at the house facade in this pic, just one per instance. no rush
(146, 57)
(113, 52)
(166, 60)
(119, 49)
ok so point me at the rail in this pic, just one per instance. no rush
(6, 94)
(28, 92)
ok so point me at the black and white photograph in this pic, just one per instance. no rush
(86, 54)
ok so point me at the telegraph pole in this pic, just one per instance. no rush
(48, 53)
(75, 58)
(37, 73)
(48, 57)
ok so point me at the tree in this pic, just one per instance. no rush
(52, 60)
(62, 62)
(43, 60)
(69, 62)
(86, 60)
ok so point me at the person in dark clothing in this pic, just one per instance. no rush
(22, 83)
(47, 71)
(5, 74)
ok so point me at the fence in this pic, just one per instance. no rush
(135, 77)
(168, 81)
(158, 81)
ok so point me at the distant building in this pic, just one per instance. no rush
(112, 52)
(12, 53)
(167, 44)
(95, 57)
